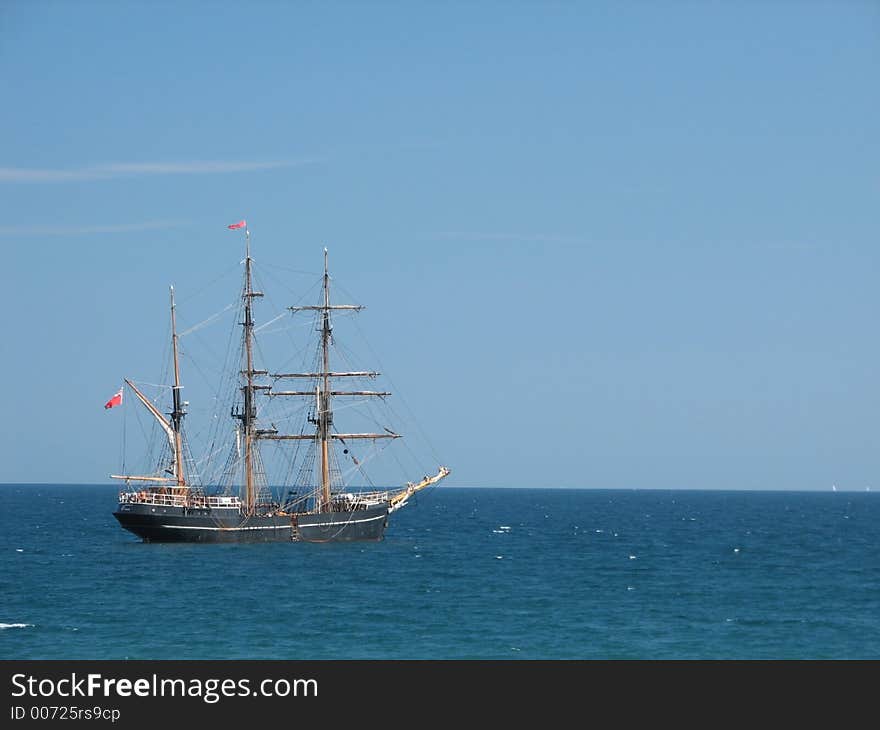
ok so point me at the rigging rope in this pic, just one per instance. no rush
(152, 385)
(210, 284)
(124, 424)
(206, 322)
(400, 396)
(271, 321)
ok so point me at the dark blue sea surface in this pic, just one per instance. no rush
(462, 573)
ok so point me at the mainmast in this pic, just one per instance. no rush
(177, 412)
(325, 415)
(248, 414)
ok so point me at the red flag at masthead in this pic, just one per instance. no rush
(116, 400)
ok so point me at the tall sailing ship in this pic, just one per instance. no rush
(171, 506)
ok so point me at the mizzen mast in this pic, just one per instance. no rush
(173, 425)
(177, 412)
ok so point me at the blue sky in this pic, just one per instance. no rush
(627, 245)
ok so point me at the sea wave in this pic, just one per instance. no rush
(15, 626)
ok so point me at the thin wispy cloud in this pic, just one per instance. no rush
(137, 169)
(39, 230)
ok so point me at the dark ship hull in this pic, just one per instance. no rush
(211, 525)
(359, 524)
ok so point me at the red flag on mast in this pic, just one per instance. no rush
(116, 400)
(240, 224)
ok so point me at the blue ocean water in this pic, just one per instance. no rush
(462, 573)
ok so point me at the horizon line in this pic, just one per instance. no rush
(852, 490)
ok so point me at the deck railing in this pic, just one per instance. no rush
(178, 500)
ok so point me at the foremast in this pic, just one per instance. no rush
(323, 411)
(323, 394)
